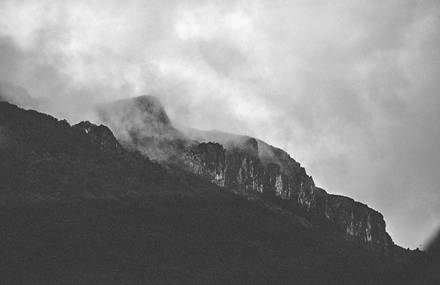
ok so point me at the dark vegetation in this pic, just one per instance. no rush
(425, 268)
(176, 240)
(74, 213)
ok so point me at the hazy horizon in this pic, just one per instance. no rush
(347, 88)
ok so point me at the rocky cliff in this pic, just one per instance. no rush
(356, 220)
(75, 207)
(247, 166)
(244, 168)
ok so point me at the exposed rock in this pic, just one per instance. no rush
(251, 166)
(242, 168)
(245, 171)
(60, 183)
(245, 165)
(357, 220)
(207, 160)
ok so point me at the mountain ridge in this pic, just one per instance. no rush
(77, 207)
(251, 166)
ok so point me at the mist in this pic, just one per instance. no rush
(348, 88)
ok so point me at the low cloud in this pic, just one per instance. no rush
(348, 88)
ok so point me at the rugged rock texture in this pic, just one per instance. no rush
(74, 208)
(244, 168)
(207, 160)
(240, 167)
(245, 165)
(355, 219)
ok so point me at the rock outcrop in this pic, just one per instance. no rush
(247, 166)
(356, 220)
(246, 169)
(240, 167)
(207, 160)
(119, 212)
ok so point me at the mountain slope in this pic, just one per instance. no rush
(246, 165)
(77, 208)
(42, 159)
(141, 123)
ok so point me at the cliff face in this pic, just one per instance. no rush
(247, 166)
(246, 170)
(240, 167)
(207, 160)
(356, 220)
(75, 185)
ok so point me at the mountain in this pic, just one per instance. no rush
(246, 165)
(141, 123)
(79, 207)
(44, 159)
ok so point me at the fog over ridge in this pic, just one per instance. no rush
(348, 88)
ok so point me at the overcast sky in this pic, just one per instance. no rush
(349, 88)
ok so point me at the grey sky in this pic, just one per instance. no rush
(348, 88)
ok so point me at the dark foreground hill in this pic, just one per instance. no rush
(77, 208)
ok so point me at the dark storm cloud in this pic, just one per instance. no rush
(349, 88)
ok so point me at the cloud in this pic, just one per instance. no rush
(349, 88)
